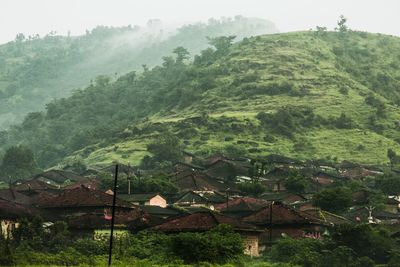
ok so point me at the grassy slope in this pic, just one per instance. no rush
(309, 62)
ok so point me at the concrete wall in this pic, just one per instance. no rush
(158, 201)
(250, 244)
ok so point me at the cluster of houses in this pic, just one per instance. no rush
(208, 196)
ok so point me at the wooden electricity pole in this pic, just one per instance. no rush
(113, 214)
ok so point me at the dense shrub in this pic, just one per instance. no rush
(219, 245)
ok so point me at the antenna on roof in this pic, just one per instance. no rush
(113, 213)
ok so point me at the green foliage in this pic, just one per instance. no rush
(288, 120)
(18, 163)
(296, 182)
(342, 27)
(304, 114)
(34, 70)
(365, 240)
(336, 199)
(251, 188)
(389, 183)
(219, 245)
(303, 252)
(156, 184)
(167, 148)
(221, 44)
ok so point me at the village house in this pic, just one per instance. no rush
(207, 220)
(187, 157)
(284, 197)
(59, 178)
(241, 207)
(10, 212)
(198, 181)
(86, 210)
(186, 167)
(200, 198)
(33, 185)
(228, 169)
(392, 205)
(280, 220)
(154, 199)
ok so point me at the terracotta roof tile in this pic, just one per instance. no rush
(202, 221)
(82, 197)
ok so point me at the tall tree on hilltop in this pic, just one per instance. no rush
(18, 163)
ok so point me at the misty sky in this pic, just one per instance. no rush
(43, 16)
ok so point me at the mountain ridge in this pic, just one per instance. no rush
(308, 95)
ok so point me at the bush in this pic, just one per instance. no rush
(333, 199)
(219, 245)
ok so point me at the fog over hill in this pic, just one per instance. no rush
(35, 70)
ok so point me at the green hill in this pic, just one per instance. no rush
(34, 71)
(307, 94)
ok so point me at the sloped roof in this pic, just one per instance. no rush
(14, 196)
(285, 197)
(60, 176)
(206, 196)
(159, 211)
(202, 221)
(242, 204)
(97, 220)
(92, 184)
(326, 217)
(83, 197)
(33, 184)
(198, 181)
(137, 197)
(184, 165)
(11, 210)
(281, 215)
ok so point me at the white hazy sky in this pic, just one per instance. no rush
(43, 16)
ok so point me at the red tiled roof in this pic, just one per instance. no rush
(199, 182)
(33, 184)
(10, 210)
(14, 196)
(82, 197)
(91, 184)
(243, 204)
(325, 216)
(202, 221)
(60, 176)
(97, 220)
(281, 214)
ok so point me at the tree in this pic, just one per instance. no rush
(391, 154)
(221, 43)
(167, 148)
(365, 240)
(296, 182)
(18, 163)
(336, 199)
(250, 188)
(389, 184)
(218, 245)
(342, 27)
(182, 54)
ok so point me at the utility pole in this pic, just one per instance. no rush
(113, 214)
(270, 222)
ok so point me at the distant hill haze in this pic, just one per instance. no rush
(34, 71)
(307, 95)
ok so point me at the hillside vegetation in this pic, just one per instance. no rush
(34, 70)
(308, 95)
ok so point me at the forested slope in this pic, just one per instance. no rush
(34, 70)
(307, 94)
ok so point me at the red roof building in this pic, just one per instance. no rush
(207, 220)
